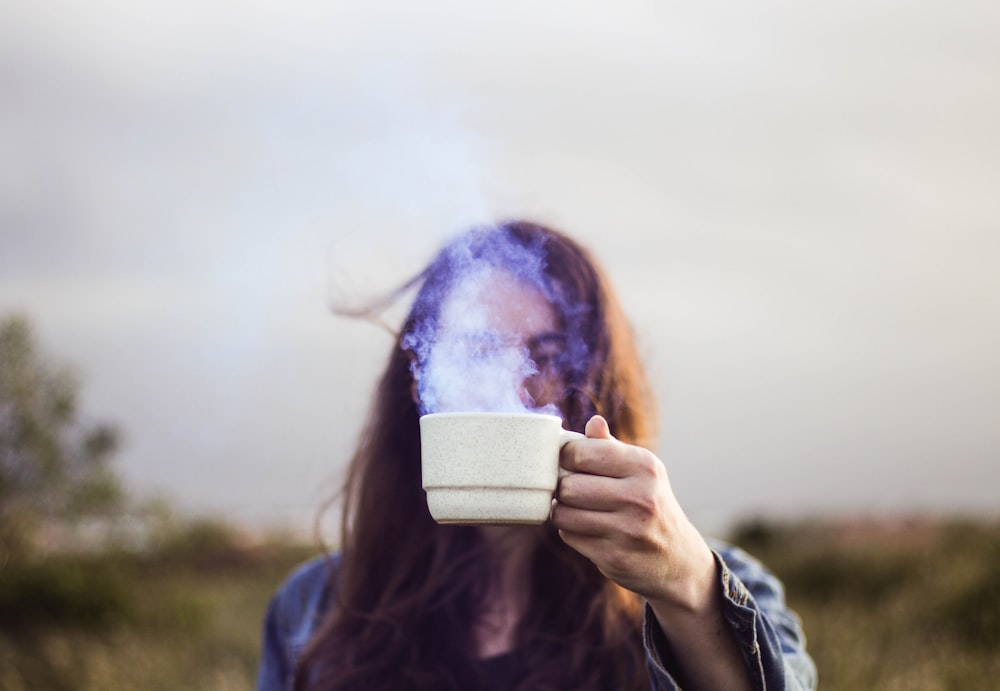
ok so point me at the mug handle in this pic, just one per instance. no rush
(565, 437)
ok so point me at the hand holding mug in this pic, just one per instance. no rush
(616, 507)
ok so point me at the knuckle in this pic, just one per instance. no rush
(565, 488)
(572, 489)
(571, 457)
(616, 560)
(646, 463)
(643, 506)
(560, 519)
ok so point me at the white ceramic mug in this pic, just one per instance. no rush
(491, 467)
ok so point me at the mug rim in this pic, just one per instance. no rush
(486, 413)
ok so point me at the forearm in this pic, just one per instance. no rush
(699, 642)
(767, 634)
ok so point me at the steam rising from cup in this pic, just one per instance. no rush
(460, 362)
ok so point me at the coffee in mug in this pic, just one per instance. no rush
(491, 467)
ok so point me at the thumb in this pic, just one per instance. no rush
(597, 428)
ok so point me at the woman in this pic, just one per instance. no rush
(616, 591)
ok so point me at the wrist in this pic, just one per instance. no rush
(694, 595)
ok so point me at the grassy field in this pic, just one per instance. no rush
(887, 605)
(184, 616)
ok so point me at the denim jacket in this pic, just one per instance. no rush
(769, 635)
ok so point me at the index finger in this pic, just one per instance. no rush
(605, 457)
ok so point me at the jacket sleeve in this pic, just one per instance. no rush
(292, 617)
(769, 635)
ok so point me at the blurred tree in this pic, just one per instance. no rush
(53, 466)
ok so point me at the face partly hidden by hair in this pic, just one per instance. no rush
(495, 336)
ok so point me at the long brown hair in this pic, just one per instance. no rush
(409, 591)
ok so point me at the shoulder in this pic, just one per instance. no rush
(302, 601)
(309, 580)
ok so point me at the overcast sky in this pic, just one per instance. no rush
(798, 204)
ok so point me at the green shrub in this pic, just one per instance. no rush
(859, 578)
(756, 535)
(76, 592)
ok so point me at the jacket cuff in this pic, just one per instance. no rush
(739, 611)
